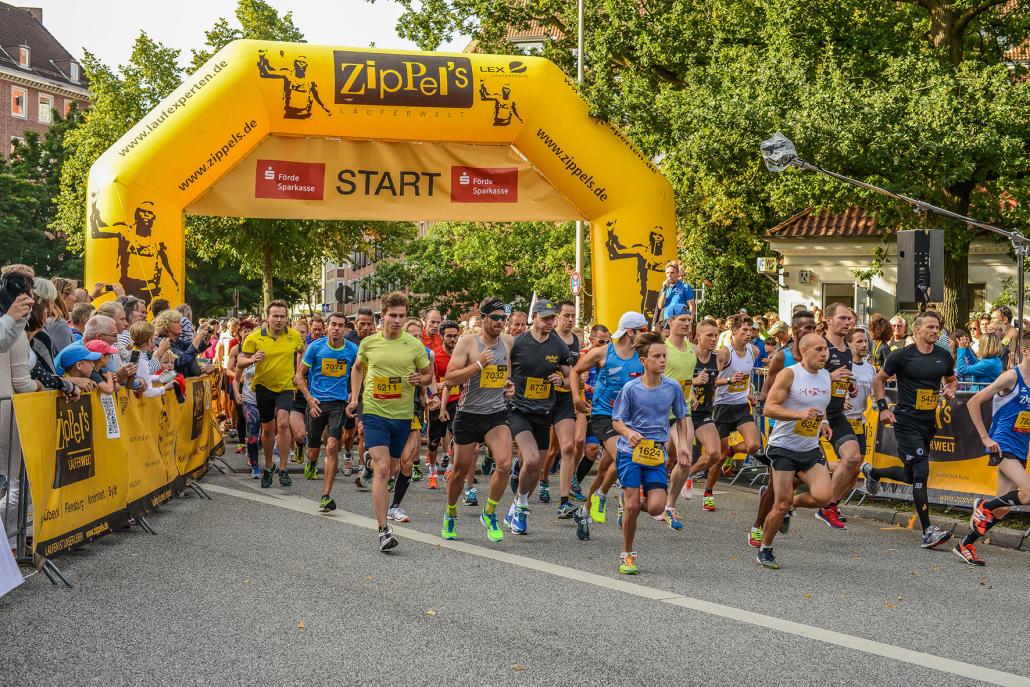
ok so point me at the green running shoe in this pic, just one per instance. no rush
(628, 563)
(449, 523)
(489, 521)
(326, 504)
(416, 472)
(311, 469)
(597, 513)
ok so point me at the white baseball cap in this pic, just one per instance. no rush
(630, 320)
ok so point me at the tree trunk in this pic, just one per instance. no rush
(266, 277)
(955, 307)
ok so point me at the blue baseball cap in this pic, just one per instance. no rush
(70, 355)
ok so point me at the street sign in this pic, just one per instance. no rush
(325, 308)
(576, 283)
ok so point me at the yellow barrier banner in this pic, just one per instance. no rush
(93, 460)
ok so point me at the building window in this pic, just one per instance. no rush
(74, 72)
(19, 102)
(977, 297)
(67, 107)
(839, 293)
(23, 56)
(46, 106)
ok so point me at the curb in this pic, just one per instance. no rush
(999, 536)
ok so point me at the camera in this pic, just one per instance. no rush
(12, 285)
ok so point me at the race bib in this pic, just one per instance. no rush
(926, 399)
(386, 388)
(839, 388)
(649, 452)
(686, 385)
(333, 368)
(537, 388)
(857, 426)
(699, 394)
(493, 377)
(737, 387)
(809, 427)
(455, 390)
(416, 425)
(1022, 421)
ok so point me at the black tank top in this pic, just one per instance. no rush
(705, 393)
(839, 390)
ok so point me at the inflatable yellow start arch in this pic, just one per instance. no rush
(284, 130)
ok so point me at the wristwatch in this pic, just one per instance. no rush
(881, 404)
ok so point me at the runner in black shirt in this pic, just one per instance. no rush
(840, 319)
(919, 369)
(540, 361)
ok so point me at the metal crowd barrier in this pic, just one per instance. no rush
(15, 497)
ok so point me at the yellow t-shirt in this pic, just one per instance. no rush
(388, 362)
(276, 371)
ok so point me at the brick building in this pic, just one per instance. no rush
(37, 76)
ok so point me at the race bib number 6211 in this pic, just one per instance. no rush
(386, 388)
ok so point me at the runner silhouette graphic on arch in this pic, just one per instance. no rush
(142, 260)
(300, 92)
(648, 259)
(504, 106)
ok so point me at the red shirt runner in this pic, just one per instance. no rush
(443, 358)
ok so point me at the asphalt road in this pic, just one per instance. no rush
(256, 587)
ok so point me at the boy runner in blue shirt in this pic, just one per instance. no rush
(641, 418)
(324, 380)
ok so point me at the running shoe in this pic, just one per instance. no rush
(982, 518)
(628, 563)
(516, 468)
(397, 514)
(255, 472)
(390, 484)
(242, 448)
(493, 532)
(449, 532)
(469, 498)
(767, 560)
(829, 516)
(432, 482)
(597, 513)
(326, 504)
(416, 472)
(386, 539)
(672, 519)
(576, 494)
(545, 492)
(556, 465)
(516, 520)
(296, 457)
(284, 478)
(785, 525)
(622, 509)
(756, 536)
(347, 469)
(872, 485)
(488, 467)
(687, 491)
(727, 468)
(708, 503)
(582, 524)
(934, 536)
(968, 554)
(266, 478)
(567, 510)
(311, 470)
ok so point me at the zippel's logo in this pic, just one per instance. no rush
(388, 79)
(74, 455)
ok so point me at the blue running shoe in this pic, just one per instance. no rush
(576, 494)
(255, 472)
(516, 468)
(582, 524)
(470, 498)
(567, 510)
(545, 492)
(516, 520)
(672, 519)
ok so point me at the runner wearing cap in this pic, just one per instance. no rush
(480, 366)
(540, 361)
(617, 364)
(395, 363)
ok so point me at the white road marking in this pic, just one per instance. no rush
(869, 646)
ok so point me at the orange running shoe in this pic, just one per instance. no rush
(433, 482)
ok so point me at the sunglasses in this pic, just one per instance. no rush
(497, 318)
(602, 342)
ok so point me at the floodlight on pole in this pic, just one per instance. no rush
(779, 153)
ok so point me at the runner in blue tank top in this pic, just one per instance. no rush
(1007, 445)
(617, 364)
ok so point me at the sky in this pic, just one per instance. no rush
(107, 28)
